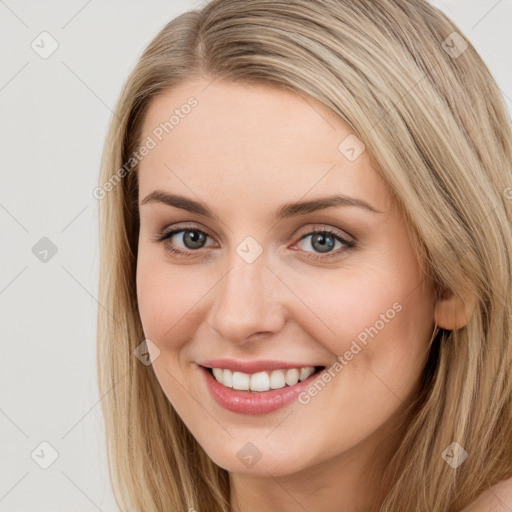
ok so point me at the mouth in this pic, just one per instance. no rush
(261, 392)
(264, 381)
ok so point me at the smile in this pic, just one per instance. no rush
(262, 381)
(254, 394)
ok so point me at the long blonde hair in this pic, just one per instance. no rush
(426, 106)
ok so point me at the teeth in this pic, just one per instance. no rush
(228, 378)
(241, 381)
(306, 372)
(277, 379)
(218, 373)
(262, 381)
(292, 377)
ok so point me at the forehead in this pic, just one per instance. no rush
(269, 141)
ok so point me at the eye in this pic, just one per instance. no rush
(192, 239)
(324, 242)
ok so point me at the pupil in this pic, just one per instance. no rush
(322, 240)
(193, 239)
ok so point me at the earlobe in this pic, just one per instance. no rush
(452, 312)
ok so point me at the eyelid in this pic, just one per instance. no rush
(163, 234)
(326, 228)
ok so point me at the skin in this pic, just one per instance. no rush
(244, 151)
(497, 499)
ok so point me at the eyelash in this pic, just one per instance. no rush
(348, 244)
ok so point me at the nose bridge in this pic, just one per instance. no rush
(245, 301)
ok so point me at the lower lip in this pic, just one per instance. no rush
(254, 402)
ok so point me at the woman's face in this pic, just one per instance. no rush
(258, 281)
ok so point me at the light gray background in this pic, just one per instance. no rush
(55, 113)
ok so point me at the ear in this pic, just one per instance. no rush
(452, 312)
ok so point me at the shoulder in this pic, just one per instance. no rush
(496, 499)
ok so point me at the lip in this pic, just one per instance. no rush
(254, 366)
(254, 402)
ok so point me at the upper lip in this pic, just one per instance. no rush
(253, 366)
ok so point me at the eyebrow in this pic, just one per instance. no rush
(285, 211)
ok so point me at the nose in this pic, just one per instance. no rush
(247, 301)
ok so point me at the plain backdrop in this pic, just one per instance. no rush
(55, 110)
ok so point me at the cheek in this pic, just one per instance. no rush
(167, 300)
(376, 317)
(165, 295)
(173, 304)
(344, 305)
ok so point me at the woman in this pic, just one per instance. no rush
(306, 265)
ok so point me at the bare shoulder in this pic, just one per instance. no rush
(496, 499)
